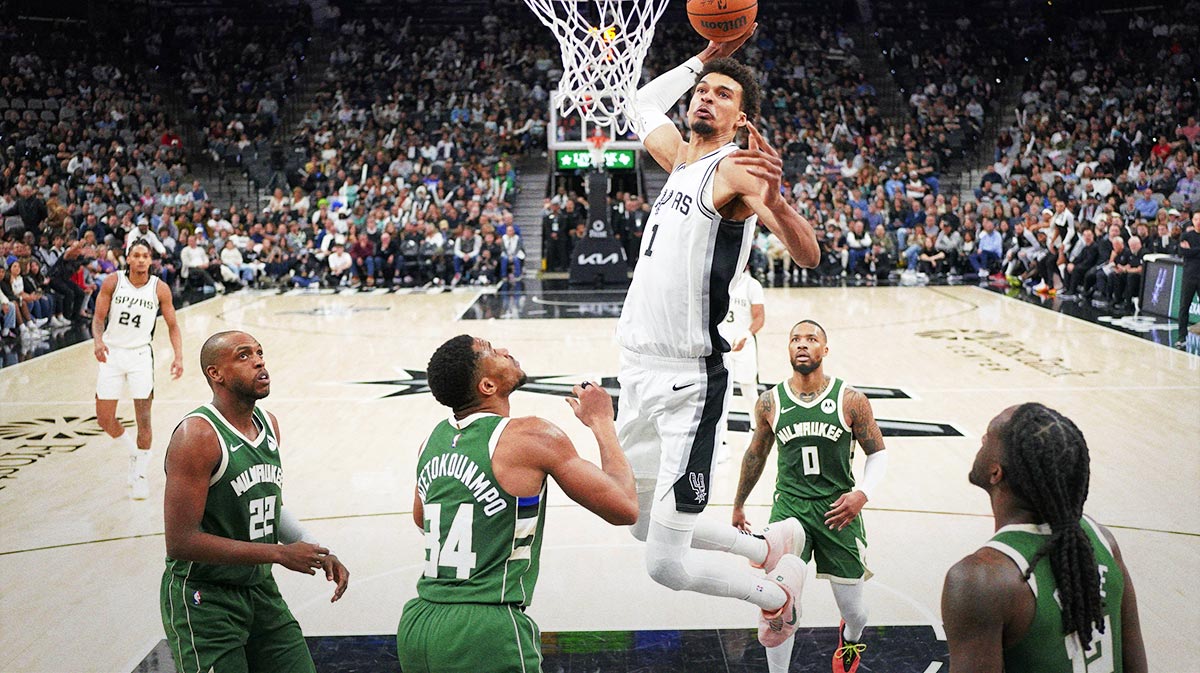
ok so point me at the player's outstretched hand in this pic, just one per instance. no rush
(302, 557)
(763, 162)
(739, 520)
(724, 49)
(101, 351)
(336, 572)
(844, 510)
(591, 403)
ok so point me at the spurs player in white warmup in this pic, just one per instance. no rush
(747, 315)
(674, 385)
(132, 298)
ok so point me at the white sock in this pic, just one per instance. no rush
(850, 603)
(141, 460)
(672, 563)
(779, 659)
(723, 537)
(125, 441)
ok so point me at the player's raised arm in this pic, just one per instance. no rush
(755, 175)
(608, 490)
(660, 137)
(756, 457)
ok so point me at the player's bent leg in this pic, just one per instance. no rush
(645, 494)
(849, 598)
(276, 643)
(142, 409)
(671, 562)
(715, 536)
(106, 417)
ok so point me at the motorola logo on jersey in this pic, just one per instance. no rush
(828, 405)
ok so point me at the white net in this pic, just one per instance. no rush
(603, 44)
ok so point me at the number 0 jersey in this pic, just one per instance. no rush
(1045, 649)
(245, 496)
(689, 257)
(132, 313)
(482, 545)
(815, 444)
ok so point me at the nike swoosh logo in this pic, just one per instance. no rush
(235, 447)
(784, 410)
(688, 385)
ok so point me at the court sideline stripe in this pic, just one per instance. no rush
(347, 517)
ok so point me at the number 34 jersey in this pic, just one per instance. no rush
(689, 257)
(132, 313)
(245, 497)
(482, 544)
(815, 444)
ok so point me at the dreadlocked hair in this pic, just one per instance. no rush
(1045, 461)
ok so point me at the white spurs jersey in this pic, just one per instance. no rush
(689, 257)
(132, 313)
(744, 292)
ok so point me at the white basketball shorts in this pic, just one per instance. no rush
(743, 364)
(671, 417)
(126, 366)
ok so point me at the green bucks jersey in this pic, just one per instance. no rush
(815, 443)
(244, 497)
(1045, 649)
(482, 545)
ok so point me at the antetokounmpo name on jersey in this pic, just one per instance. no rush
(810, 429)
(257, 474)
(465, 470)
(129, 300)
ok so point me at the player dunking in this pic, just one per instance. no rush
(133, 298)
(815, 419)
(226, 525)
(1049, 593)
(481, 500)
(674, 385)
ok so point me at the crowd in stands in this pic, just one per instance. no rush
(407, 174)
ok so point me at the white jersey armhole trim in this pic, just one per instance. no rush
(841, 407)
(1019, 560)
(494, 440)
(224, 464)
(1095, 527)
(775, 412)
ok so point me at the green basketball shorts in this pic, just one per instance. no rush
(840, 555)
(467, 638)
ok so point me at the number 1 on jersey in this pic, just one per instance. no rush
(455, 551)
(653, 233)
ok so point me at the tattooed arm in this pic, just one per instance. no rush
(866, 432)
(756, 457)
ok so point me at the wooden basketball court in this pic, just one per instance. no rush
(80, 563)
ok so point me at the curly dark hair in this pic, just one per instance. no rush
(1045, 460)
(743, 75)
(142, 242)
(452, 372)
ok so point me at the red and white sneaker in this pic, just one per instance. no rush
(774, 628)
(848, 655)
(783, 537)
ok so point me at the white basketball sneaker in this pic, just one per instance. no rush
(783, 537)
(774, 628)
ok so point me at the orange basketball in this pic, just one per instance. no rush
(722, 20)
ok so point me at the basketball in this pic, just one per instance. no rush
(722, 20)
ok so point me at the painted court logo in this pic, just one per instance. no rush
(24, 443)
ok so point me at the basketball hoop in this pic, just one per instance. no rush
(603, 44)
(598, 142)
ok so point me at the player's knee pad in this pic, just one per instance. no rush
(665, 566)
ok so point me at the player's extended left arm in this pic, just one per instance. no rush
(167, 306)
(870, 438)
